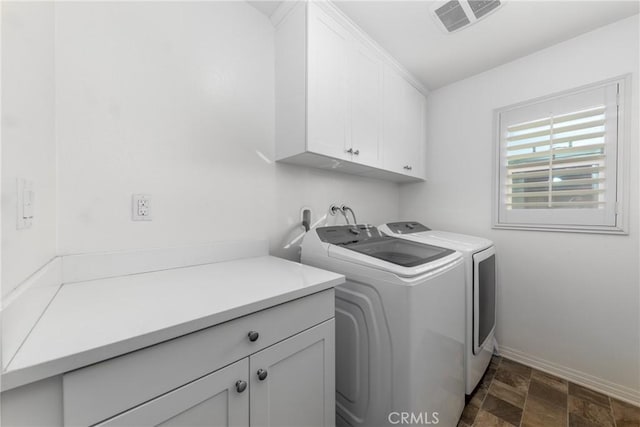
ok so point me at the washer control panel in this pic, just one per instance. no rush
(348, 234)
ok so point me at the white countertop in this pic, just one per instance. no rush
(95, 320)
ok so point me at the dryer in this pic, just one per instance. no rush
(399, 326)
(480, 295)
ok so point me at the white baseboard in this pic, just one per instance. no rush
(616, 391)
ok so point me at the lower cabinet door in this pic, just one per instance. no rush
(218, 399)
(293, 382)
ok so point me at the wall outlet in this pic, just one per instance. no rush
(141, 207)
(26, 200)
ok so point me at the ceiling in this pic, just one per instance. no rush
(407, 30)
(265, 6)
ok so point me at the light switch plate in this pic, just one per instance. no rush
(141, 207)
(25, 203)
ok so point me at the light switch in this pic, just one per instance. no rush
(25, 202)
(28, 199)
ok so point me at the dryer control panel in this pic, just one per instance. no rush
(407, 227)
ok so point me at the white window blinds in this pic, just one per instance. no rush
(558, 160)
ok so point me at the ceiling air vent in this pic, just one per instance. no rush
(457, 14)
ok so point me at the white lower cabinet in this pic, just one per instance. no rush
(274, 367)
(290, 383)
(219, 399)
(297, 385)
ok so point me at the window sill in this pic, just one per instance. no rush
(563, 228)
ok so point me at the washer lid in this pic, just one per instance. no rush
(369, 241)
(400, 252)
(417, 232)
(461, 242)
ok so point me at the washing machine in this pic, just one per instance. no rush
(399, 326)
(480, 295)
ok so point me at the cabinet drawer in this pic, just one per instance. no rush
(100, 391)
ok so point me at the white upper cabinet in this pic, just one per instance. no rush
(416, 132)
(365, 89)
(333, 100)
(344, 97)
(328, 101)
(403, 126)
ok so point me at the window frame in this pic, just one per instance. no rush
(621, 160)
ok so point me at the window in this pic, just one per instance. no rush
(559, 161)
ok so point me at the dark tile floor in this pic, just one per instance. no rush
(511, 394)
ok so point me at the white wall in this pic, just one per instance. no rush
(176, 99)
(566, 300)
(28, 144)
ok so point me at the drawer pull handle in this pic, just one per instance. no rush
(349, 151)
(357, 152)
(241, 386)
(262, 374)
(408, 167)
(253, 336)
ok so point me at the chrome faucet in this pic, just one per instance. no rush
(335, 209)
(346, 208)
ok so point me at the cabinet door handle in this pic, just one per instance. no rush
(253, 336)
(407, 167)
(357, 152)
(262, 374)
(349, 151)
(241, 386)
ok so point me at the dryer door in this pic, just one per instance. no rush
(484, 297)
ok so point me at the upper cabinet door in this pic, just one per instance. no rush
(403, 126)
(365, 83)
(327, 114)
(416, 131)
(293, 382)
(395, 135)
(219, 399)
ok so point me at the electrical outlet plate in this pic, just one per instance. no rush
(141, 207)
(25, 203)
